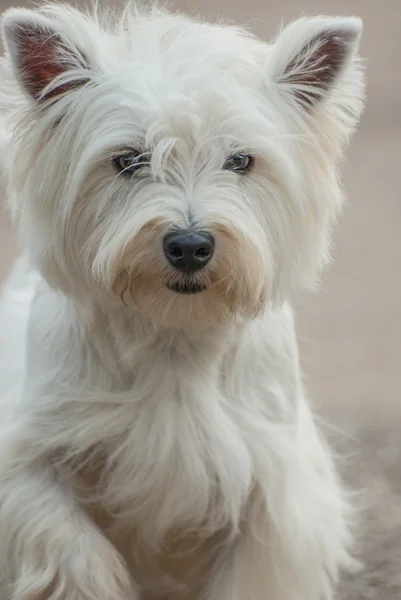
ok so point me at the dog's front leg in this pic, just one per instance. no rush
(263, 564)
(49, 546)
(295, 534)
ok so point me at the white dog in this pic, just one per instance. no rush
(175, 184)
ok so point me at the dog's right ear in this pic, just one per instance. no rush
(44, 62)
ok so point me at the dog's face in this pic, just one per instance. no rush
(183, 169)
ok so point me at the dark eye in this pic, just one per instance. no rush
(131, 161)
(240, 163)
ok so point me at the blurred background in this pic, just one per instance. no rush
(350, 333)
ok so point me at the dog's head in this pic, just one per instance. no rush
(185, 169)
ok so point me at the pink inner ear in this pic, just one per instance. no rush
(42, 59)
(313, 71)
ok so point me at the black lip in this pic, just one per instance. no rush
(186, 288)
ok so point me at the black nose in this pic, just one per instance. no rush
(188, 250)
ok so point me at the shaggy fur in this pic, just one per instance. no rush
(158, 445)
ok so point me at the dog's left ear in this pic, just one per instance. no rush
(45, 63)
(316, 58)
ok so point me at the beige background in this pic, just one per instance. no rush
(350, 333)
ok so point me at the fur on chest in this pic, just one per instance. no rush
(180, 459)
(183, 447)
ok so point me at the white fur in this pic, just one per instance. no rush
(155, 445)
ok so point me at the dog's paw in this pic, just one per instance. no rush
(88, 570)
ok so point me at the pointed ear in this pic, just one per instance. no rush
(41, 56)
(312, 55)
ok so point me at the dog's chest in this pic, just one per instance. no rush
(184, 451)
(180, 480)
(182, 457)
(192, 435)
(192, 432)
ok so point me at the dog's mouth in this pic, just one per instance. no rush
(186, 288)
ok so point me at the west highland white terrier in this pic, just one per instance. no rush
(175, 183)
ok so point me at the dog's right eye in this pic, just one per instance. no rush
(130, 162)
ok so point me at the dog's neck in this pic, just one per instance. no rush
(121, 338)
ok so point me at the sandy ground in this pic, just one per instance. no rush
(350, 333)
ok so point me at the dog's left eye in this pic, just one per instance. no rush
(240, 163)
(130, 162)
